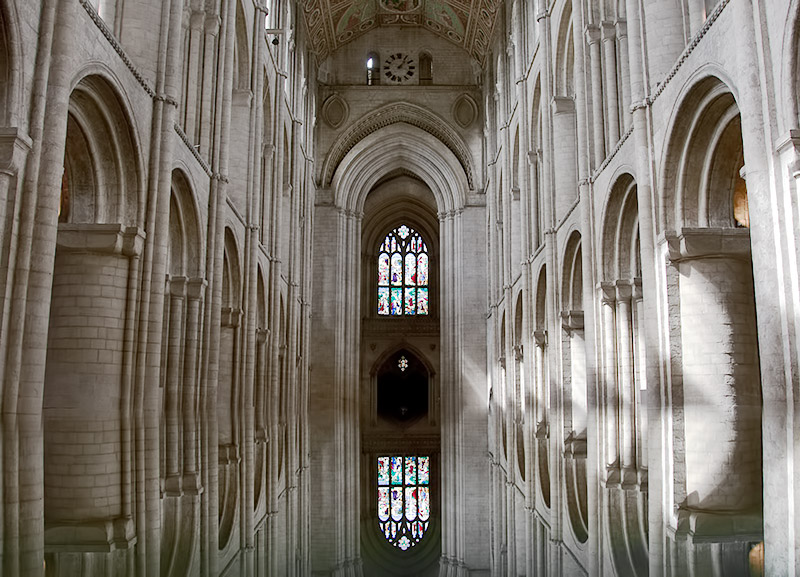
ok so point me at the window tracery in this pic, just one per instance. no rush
(403, 266)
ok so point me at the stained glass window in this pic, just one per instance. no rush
(404, 499)
(403, 274)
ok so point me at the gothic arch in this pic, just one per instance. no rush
(406, 114)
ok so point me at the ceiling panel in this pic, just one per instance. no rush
(467, 23)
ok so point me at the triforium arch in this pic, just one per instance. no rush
(715, 361)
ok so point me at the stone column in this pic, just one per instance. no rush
(592, 33)
(608, 33)
(625, 380)
(191, 435)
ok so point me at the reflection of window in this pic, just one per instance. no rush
(404, 499)
(403, 274)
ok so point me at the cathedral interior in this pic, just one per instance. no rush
(430, 288)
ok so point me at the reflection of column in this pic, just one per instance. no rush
(177, 295)
(640, 374)
(610, 66)
(540, 404)
(608, 297)
(261, 383)
(625, 365)
(191, 478)
(593, 38)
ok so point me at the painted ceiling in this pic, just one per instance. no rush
(467, 23)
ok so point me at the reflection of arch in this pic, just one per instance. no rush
(102, 162)
(386, 116)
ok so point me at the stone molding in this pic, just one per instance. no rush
(394, 114)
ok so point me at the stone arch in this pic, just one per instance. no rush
(395, 147)
(9, 64)
(241, 51)
(565, 55)
(620, 233)
(703, 157)
(102, 160)
(186, 234)
(397, 113)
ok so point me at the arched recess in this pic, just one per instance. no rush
(715, 332)
(398, 146)
(241, 51)
(789, 113)
(92, 330)
(541, 388)
(573, 349)
(229, 389)
(623, 423)
(183, 305)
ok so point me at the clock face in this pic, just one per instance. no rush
(399, 68)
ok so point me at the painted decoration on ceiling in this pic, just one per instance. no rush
(466, 23)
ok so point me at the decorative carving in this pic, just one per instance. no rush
(465, 111)
(468, 23)
(335, 111)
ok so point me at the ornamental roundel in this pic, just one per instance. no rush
(335, 111)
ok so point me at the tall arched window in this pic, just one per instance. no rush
(373, 64)
(403, 273)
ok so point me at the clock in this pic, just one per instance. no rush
(399, 68)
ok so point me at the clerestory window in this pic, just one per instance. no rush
(403, 265)
(404, 499)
